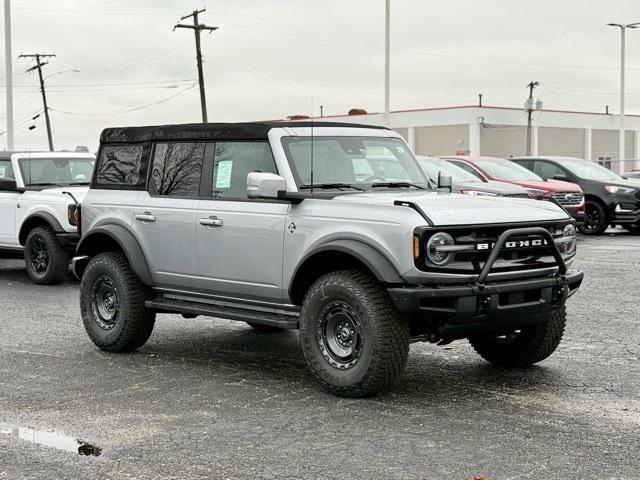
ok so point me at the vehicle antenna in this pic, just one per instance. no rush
(311, 189)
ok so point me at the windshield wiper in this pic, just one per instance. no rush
(44, 184)
(329, 185)
(80, 183)
(396, 185)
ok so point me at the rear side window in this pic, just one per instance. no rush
(547, 170)
(6, 170)
(232, 163)
(120, 166)
(176, 169)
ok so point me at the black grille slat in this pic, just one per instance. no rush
(568, 198)
(516, 195)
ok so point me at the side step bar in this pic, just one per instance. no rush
(164, 305)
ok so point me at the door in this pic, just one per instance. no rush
(8, 204)
(548, 170)
(239, 242)
(164, 218)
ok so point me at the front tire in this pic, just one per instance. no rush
(46, 261)
(595, 220)
(353, 338)
(525, 347)
(112, 304)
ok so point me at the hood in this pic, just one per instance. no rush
(549, 185)
(499, 188)
(455, 209)
(631, 182)
(78, 192)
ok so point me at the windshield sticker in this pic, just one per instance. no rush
(223, 177)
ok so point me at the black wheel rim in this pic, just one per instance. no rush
(592, 220)
(339, 334)
(105, 305)
(39, 255)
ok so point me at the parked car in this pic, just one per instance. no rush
(610, 198)
(268, 224)
(633, 174)
(466, 183)
(569, 195)
(38, 196)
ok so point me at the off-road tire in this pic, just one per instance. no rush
(602, 224)
(134, 323)
(532, 345)
(57, 268)
(384, 333)
(265, 328)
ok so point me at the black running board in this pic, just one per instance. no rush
(272, 319)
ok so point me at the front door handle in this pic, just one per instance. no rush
(145, 217)
(211, 221)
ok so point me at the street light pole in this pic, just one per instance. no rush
(387, 58)
(621, 137)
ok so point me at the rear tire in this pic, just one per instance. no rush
(353, 338)
(531, 345)
(595, 219)
(112, 304)
(46, 261)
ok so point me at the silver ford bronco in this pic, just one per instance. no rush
(328, 228)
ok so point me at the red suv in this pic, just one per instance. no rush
(569, 195)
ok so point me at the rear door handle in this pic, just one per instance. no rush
(211, 221)
(145, 217)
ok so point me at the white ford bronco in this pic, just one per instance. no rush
(328, 228)
(38, 197)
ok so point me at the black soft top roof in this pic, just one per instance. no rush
(208, 131)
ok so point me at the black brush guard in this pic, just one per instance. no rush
(482, 306)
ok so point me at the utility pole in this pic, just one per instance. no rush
(38, 66)
(529, 106)
(387, 61)
(197, 27)
(8, 72)
(623, 29)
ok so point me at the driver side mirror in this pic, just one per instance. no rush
(561, 176)
(445, 181)
(265, 185)
(8, 185)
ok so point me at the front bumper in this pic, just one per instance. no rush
(478, 306)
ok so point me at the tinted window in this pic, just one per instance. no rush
(120, 165)
(507, 170)
(232, 163)
(176, 169)
(547, 170)
(6, 170)
(468, 169)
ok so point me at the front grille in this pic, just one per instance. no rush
(568, 198)
(516, 195)
(522, 256)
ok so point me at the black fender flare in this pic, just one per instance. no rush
(45, 216)
(371, 257)
(127, 242)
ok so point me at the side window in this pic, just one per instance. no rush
(6, 170)
(120, 165)
(176, 169)
(232, 163)
(546, 169)
(468, 168)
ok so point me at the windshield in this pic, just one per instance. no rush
(360, 162)
(431, 166)
(589, 170)
(507, 170)
(56, 171)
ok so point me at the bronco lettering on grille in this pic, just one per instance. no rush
(538, 242)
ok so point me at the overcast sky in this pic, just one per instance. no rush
(269, 58)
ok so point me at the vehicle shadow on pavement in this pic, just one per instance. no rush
(14, 271)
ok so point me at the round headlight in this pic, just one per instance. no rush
(437, 256)
(569, 239)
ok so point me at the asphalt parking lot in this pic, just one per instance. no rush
(212, 398)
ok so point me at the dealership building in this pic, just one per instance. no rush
(502, 131)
